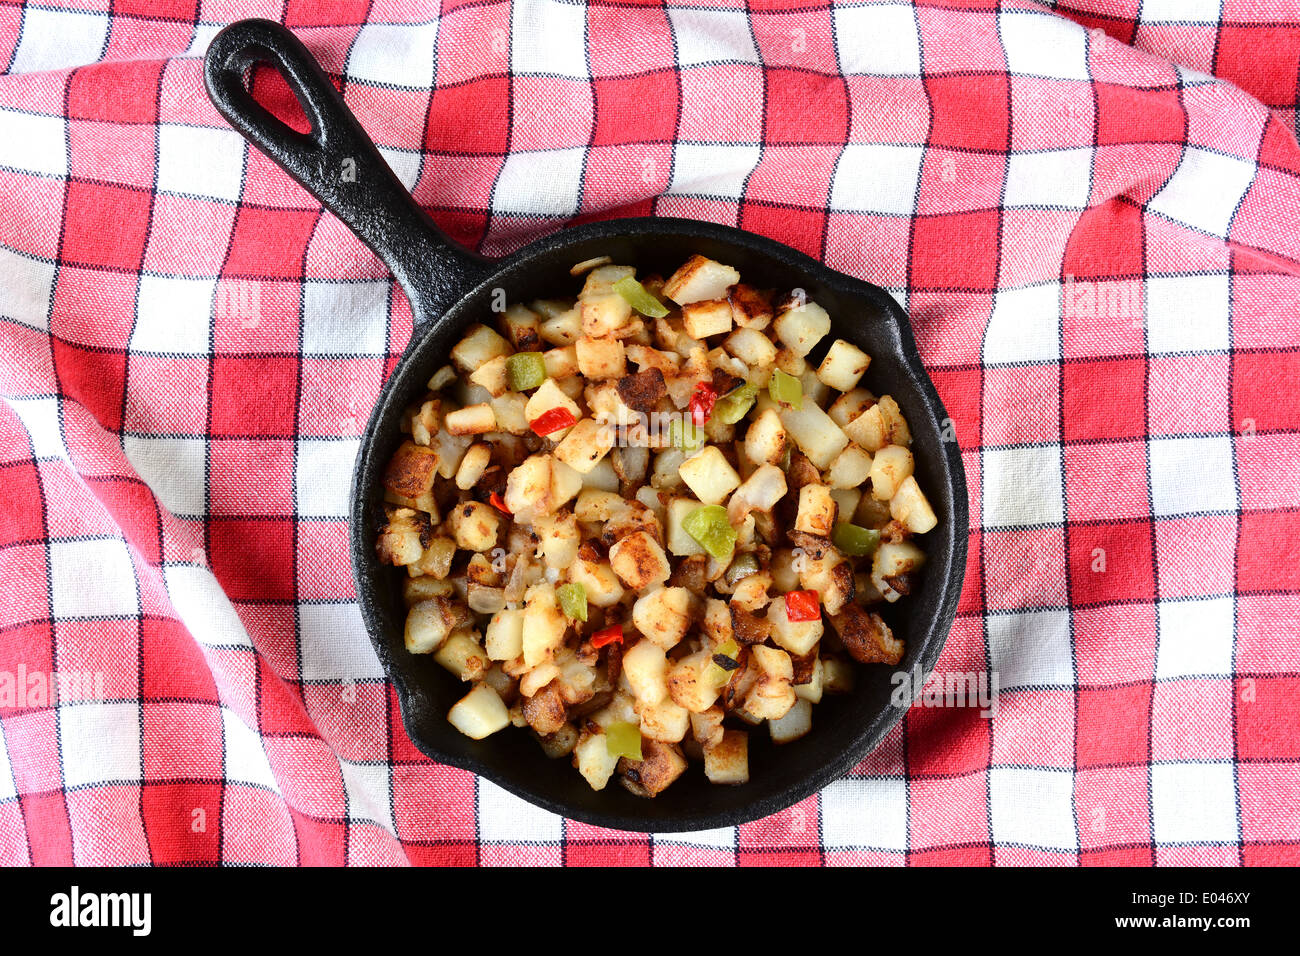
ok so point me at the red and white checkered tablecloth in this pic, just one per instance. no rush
(1092, 213)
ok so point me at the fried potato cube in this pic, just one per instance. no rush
(765, 441)
(480, 713)
(661, 764)
(709, 475)
(639, 560)
(911, 508)
(843, 366)
(544, 625)
(797, 637)
(504, 639)
(475, 525)
(492, 376)
(549, 395)
(545, 710)
(646, 668)
(814, 432)
(751, 308)
(850, 405)
(666, 721)
(604, 314)
(850, 469)
(896, 427)
(463, 655)
(522, 326)
(727, 760)
(802, 327)
(867, 637)
(528, 488)
(600, 359)
(585, 445)
(411, 470)
(709, 317)
(472, 466)
(479, 346)
(889, 467)
(663, 615)
(403, 539)
(816, 513)
(752, 347)
(593, 760)
(561, 363)
(699, 279)
(690, 683)
(562, 327)
(796, 723)
(431, 622)
(890, 564)
(471, 420)
(868, 429)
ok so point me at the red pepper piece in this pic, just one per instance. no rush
(803, 606)
(497, 503)
(552, 420)
(702, 401)
(609, 635)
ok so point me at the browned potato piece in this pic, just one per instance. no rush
(545, 711)
(866, 636)
(660, 764)
(411, 470)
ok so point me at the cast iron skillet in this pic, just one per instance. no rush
(450, 288)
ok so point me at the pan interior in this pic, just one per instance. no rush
(845, 728)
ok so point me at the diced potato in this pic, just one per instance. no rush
(710, 317)
(646, 668)
(402, 540)
(892, 560)
(802, 327)
(846, 499)
(411, 470)
(896, 428)
(849, 406)
(566, 483)
(596, 505)
(475, 525)
(474, 420)
(797, 637)
(831, 576)
(760, 492)
(765, 441)
(662, 764)
(850, 469)
(811, 691)
(528, 488)
(639, 560)
(522, 326)
(561, 363)
(549, 395)
(750, 308)
(601, 279)
(479, 346)
(601, 583)
(562, 328)
(837, 676)
(472, 466)
(593, 760)
(492, 376)
(814, 389)
(690, 682)
(544, 625)
(509, 412)
(604, 314)
(666, 721)
(602, 476)
(843, 366)
(586, 444)
(504, 639)
(796, 722)
(561, 743)
(727, 761)
(889, 467)
(463, 655)
(791, 362)
(680, 543)
(911, 508)
(813, 431)
(601, 358)
(709, 475)
(752, 347)
(816, 513)
(867, 637)
(700, 279)
(480, 713)
(559, 539)
(663, 615)
(868, 429)
(428, 624)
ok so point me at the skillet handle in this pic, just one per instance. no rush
(338, 164)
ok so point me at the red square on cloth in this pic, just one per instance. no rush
(1261, 58)
(1104, 400)
(1114, 725)
(106, 225)
(470, 118)
(182, 821)
(1111, 561)
(253, 558)
(958, 251)
(254, 396)
(269, 243)
(116, 92)
(805, 107)
(621, 113)
(969, 111)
